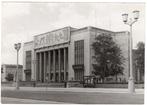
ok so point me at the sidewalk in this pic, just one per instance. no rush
(102, 90)
(6, 100)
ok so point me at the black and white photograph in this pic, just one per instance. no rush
(73, 52)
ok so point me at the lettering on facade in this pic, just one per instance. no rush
(51, 38)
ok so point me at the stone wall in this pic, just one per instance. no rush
(81, 34)
(27, 47)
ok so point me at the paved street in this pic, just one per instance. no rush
(74, 95)
(101, 90)
(7, 100)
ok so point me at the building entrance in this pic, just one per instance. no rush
(78, 72)
(28, 76)
(54, 63)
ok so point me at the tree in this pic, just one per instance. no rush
(140, 57)
(108, 57)
(9, 77)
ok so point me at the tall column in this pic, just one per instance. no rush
(54, 72)
(67, 62)
(36, 66)
(59, 65)
(44, 66)
(49, 66)
(138, 75)
(40, 66)
(64, 63)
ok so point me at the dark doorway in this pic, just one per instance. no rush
(28, 76)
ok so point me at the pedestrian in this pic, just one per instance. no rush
(34, 84)
(65, 84)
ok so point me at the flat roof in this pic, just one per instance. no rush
(28, 42)
(56, 30)
(11, 65)
(76, 29)
(83, 28)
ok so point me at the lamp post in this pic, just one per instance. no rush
(17, 47)
(131, 87)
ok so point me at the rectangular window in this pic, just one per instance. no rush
(79, 52)
(28, 59)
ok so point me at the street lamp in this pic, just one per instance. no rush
(17, 47)
(131, 87)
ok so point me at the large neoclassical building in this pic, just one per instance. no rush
(67, 54)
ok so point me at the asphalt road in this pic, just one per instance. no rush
(6, 100)
(76, 97)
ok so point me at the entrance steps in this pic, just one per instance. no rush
(49, 84)
(40, 84)
(70, 84)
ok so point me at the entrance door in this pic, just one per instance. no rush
(78, 72)
(28, 76)
(79, 75)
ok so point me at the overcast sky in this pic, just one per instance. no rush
(21, 21)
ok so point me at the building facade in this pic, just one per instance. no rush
(66, 54)
(9, 69)
(138, 74)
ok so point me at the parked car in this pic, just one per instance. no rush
(89, 81)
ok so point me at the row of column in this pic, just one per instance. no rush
(52, 65)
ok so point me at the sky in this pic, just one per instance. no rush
(23, 20)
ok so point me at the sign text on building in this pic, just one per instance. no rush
(51, 38)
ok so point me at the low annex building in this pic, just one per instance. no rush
(10, 69)
(66, 54)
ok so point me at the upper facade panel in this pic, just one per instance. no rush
(52, 38)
